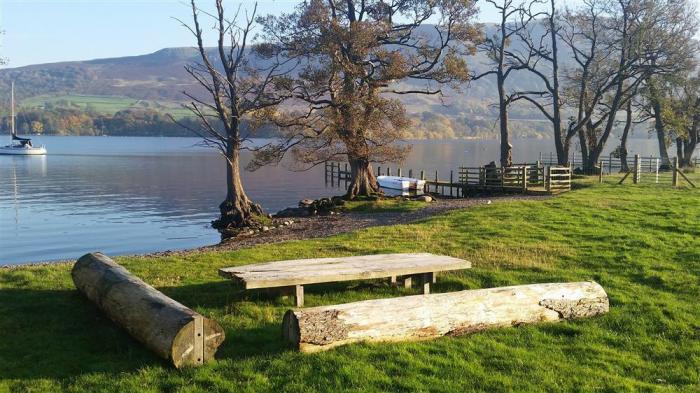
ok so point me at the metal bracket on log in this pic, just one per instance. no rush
(169, 329)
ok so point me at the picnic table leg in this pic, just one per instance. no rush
(427, 279)
(299, 295)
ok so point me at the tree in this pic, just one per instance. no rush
(235, 90)
(353, 57)
(619, 45)
(541, 58)
(496, 48)
(675, 111)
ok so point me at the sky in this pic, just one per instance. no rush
(45, 31)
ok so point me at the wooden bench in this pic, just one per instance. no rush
(292, 275)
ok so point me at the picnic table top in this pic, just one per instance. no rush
(320, 270)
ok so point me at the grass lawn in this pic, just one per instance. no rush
(640, 242)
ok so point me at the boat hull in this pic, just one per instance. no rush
(22, 151)
(400, 183)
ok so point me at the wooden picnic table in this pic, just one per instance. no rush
(292, 275)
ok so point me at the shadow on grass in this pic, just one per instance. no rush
(60, 334)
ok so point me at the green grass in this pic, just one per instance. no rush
(387, 205)
(107, 105)
(641, 243)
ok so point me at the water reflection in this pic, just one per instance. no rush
(135, 195)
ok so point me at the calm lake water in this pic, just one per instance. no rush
(137, 195)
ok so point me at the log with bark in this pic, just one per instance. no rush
(445, 314)
(171, 330)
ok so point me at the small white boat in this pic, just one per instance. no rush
(20, 146)
(401, 183)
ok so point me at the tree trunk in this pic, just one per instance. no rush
(561, 142)
(451, 314)
(691, 141)
(623, 141)
(237, 210)
(584, 147)
(660, 130)
(506, 147)
(166, 327)
(363, 182)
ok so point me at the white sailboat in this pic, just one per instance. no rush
(20, 146)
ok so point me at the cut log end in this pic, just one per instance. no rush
(197, 342)
(168, 328)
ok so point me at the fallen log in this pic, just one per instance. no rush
(456, 313)
(171, 330)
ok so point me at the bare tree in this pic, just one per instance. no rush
(618, 45)
(496, 48)
(540, 56)
(356, 54)
(234, 90)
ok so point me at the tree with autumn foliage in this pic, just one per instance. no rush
(353, 57)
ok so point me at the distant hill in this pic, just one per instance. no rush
(156, 81)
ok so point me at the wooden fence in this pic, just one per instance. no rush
(611, 164)
(515, 179)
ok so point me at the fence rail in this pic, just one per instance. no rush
(612, 164)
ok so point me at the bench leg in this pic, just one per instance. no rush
(392, 280)
(427, 279)
(407, 282)
(434, 277)
(299, 295)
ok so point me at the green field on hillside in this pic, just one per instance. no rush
(106, 105)
(640, 242)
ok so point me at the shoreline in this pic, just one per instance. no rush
(315, 227)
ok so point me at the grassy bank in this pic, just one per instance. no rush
(641, 243)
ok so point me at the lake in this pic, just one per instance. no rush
(137, 195)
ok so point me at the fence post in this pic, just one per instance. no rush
(657, 171)
(540, 156)
(548, 179)
(398, 172)
(610, 163)
(637, 169)
(379, 171)
(410, 173)
(600, 172)
(437, 191)
(422, 174)
(525, 179)
(675, 171)
(388, 171)
(536, 178)
(451, 181)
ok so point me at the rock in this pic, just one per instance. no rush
(265, 229)
(425, 198)
(293, 212)
(338, 201)
(488, 202)
(306, 202)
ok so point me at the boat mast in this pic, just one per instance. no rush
(12, 104)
